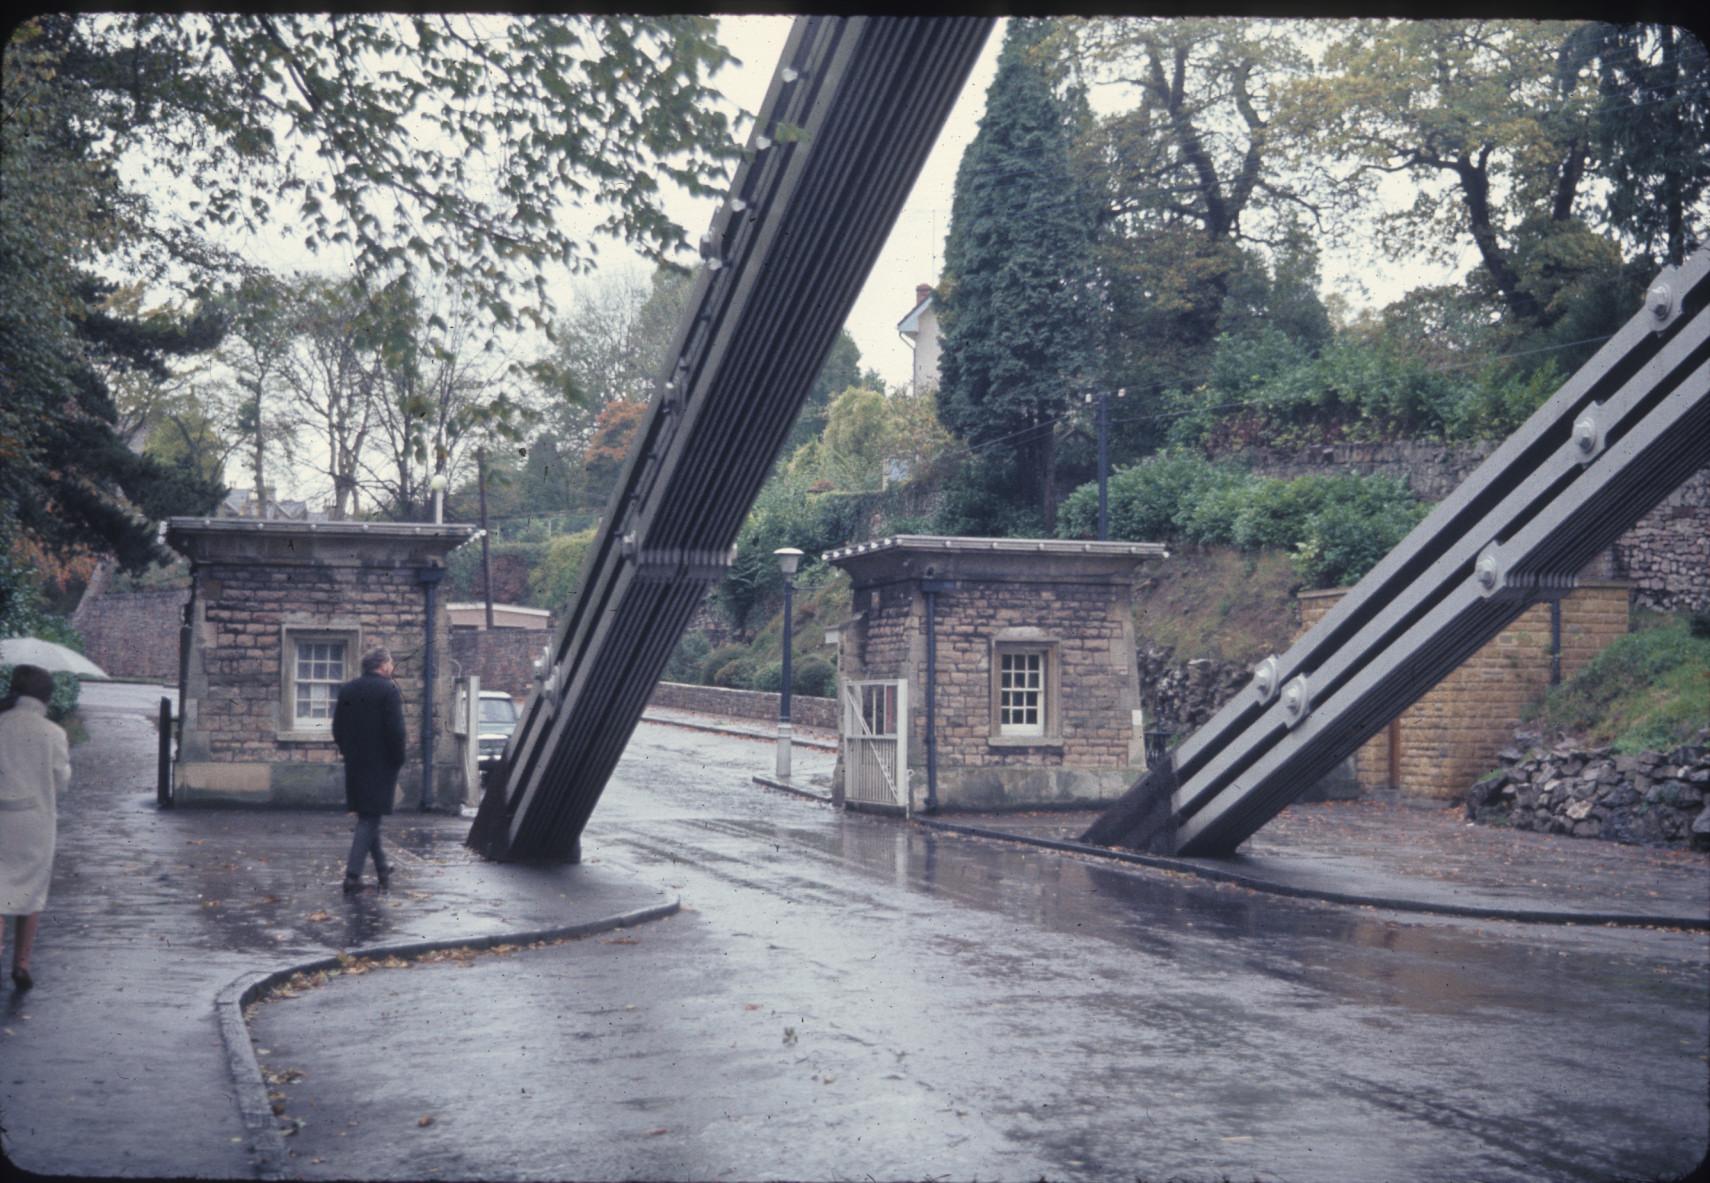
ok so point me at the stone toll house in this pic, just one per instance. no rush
(1036, 698)
(280, 613)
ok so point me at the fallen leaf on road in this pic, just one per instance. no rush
(318, 917)
(620, 941)
(424, 1121)
(751, 1006)
(657, 1132)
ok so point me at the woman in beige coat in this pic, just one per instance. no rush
(35, 767)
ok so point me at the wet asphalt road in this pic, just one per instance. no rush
(846, 997)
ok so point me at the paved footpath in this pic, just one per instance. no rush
(115, 1063)
(1422, 858)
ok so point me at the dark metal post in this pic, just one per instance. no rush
(184, 635)
(931, 699)
(429, 578)
(788, 558)
(784, 731)
(163, 769)
(789, 622)
(1103, 466)
(486, 552)
(1555, 641)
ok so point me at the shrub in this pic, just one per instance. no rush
(739, 673)
(716, 660)
(1338, 526)
(769, 676)
(1354, 529)
(558, 577)
(786, 513)
(684, 664)
(1650, 690)
(979, 502)
(66, 691)
(814, 676)
(1500, 401)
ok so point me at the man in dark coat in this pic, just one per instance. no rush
(368, 726)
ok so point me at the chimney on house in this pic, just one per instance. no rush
(921, 291)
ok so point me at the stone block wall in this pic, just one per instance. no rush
(235, 746)
(1094, 682)
(1666, 556)
(1094, 722)
(133, 635)
(503, 658)
(1431, 470)
(1452, 735)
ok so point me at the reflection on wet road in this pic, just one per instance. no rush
(845, 996)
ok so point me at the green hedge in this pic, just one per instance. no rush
(1264, 387)
(66, 689)
(1337, 527)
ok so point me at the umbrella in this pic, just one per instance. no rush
(49, 656)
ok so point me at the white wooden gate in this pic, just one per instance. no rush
(875, 744)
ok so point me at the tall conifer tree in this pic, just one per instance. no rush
(1018, 306)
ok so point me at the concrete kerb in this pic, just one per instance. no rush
(1471, 911)
(267, 1142)
(784, 786)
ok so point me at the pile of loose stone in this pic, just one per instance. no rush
(1649, 798)
(1181, 695)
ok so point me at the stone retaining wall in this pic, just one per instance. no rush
(1452, 734)
(805, 710)
(1649, 799)
(1431, 470)
(1666, 555)
(134, 635)
(503, 658)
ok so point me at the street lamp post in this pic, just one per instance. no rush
(788, 558)
(438, 486)
(1104, 459)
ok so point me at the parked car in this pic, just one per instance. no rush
(495, 720)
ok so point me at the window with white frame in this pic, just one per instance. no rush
(1021, 702)
(316, 662)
